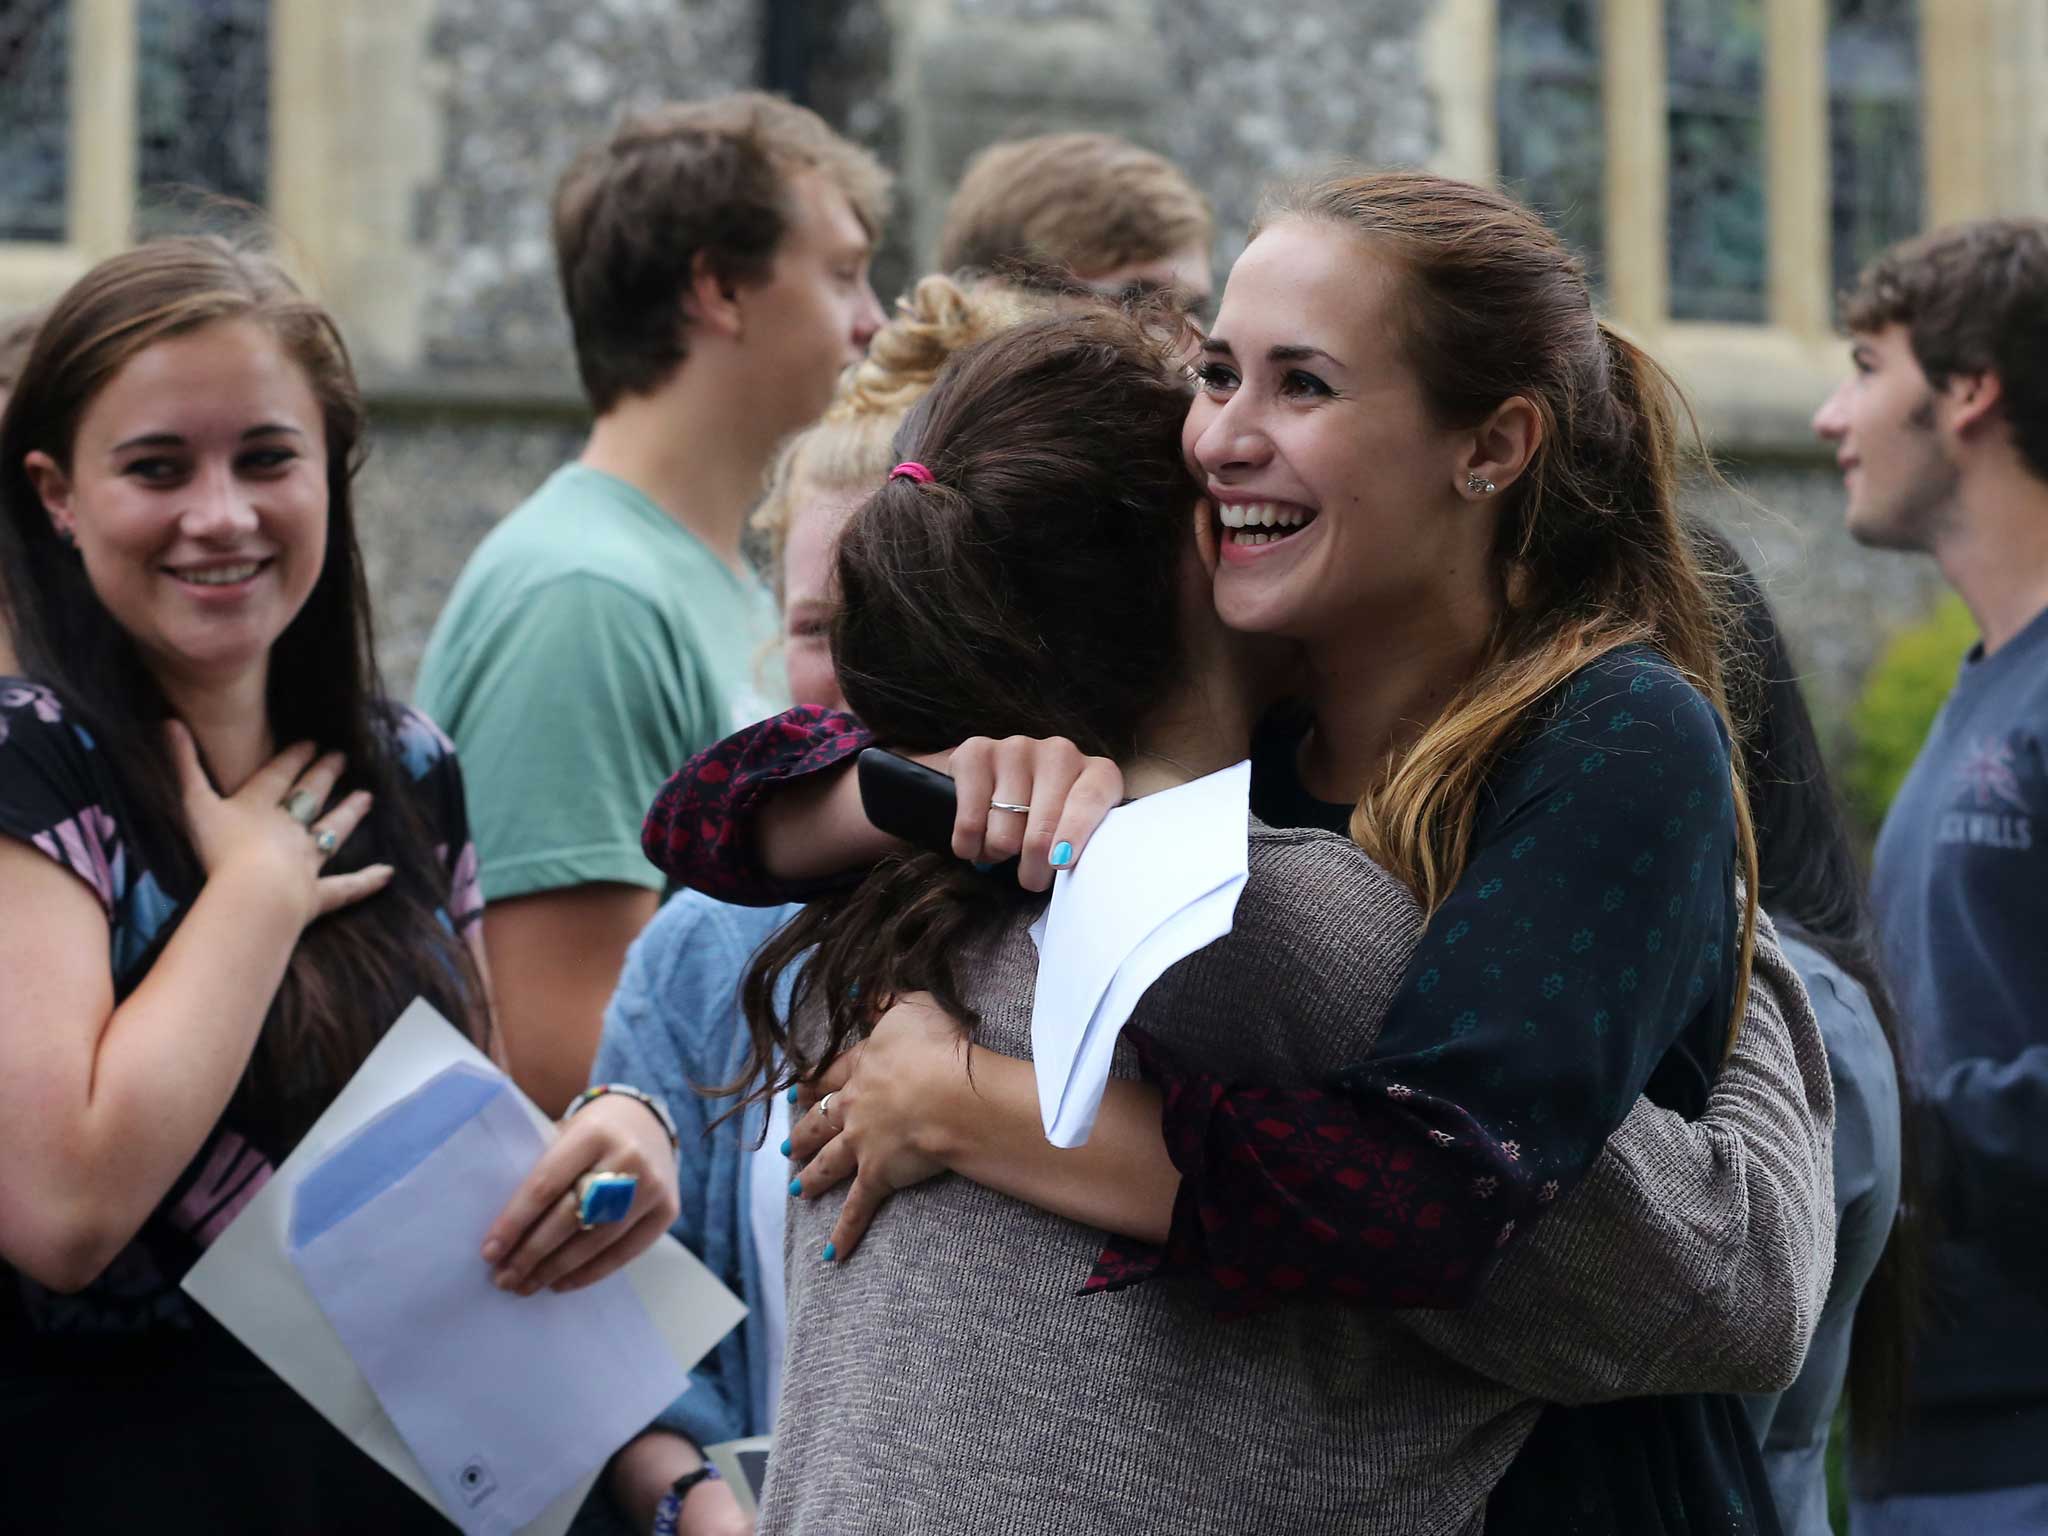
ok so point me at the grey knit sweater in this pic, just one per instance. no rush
(949, 1379)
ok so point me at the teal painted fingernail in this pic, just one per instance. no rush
(792, 1093)
(785, 1146)
(796, 1186)
(1062, 855)
(982, 867)
(830, 1253)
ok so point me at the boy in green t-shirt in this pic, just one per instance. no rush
(713, 258)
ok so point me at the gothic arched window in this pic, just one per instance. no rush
(1660, 138)
(105, 105)
(35, 119)
(202, 116)
(1553, 144)
(1874, 154)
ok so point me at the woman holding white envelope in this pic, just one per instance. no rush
(227, 864)
(1431, 468)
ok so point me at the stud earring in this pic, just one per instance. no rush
(1479, 485)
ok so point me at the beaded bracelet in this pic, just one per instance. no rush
(668, 1514)
(655, 1107)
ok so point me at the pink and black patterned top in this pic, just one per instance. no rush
(59, 795)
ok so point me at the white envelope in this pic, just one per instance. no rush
(1161, 879)
(493, 1393)
(247, 1280)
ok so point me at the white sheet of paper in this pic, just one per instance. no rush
(248, 1282)
(494, 1394)
(1160, 880)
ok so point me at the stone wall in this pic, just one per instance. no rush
(1264, 92)
(436, 482)
(522, 85)
(1238, 94)
(1837, 600)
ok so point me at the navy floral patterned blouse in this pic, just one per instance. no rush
(57, 796)
(1667, 1466)
(203, 1426)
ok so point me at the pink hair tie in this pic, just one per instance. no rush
(910, 469)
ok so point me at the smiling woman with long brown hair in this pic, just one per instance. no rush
(227, 864)
(989, 586)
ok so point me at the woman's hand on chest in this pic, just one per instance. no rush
(277, 831)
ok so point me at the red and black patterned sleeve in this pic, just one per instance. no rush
(700, 831)
(1586, 955)
(1291, 1194)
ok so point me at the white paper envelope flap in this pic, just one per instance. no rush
(389, 1147)
(249, 1281)
(1160, 880)
(507, 1402)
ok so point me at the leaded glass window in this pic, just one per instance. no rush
(1552, 138)
(202, 98)
(1714, 52)
(35, 118)
(1873, 129)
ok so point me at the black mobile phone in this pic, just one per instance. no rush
(907, 800)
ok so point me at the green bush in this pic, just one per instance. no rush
(1898, 704)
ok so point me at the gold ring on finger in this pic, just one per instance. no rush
(302, 805)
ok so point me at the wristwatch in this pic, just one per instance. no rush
(668, 1514)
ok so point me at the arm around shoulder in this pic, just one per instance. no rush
(1696, 1255)
(769, 814)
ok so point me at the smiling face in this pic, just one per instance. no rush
(1884, 421)
(1337, 493)
(197, 497)
(816, 514)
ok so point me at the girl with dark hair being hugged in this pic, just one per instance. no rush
(226, 865)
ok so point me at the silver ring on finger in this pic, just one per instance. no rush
(302, 805)
(325, 840)
(1005, 805)
(825, 1109)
